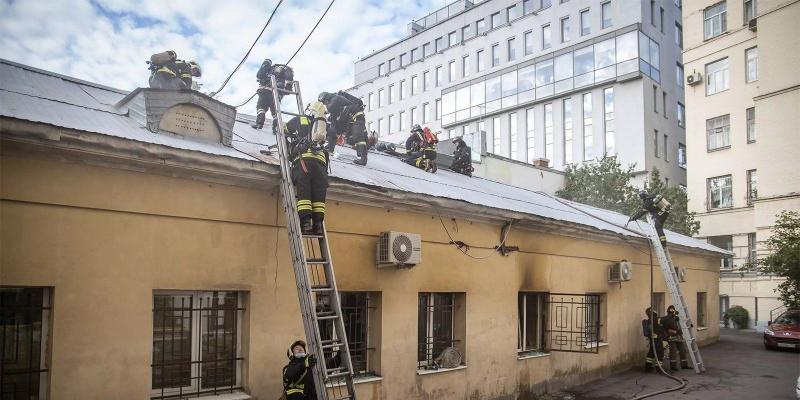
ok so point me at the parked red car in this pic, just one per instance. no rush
(784, 332)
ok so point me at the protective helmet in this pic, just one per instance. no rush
(195, 67)
(267, 61)
(416, 128)
(316, 109)
(290, 352)
(172, 54)
(643, 194)
(325, 97)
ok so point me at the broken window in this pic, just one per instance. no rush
(531, 308)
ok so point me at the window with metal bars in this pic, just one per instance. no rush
(437, 327)
(357, 309)
(196, 343)
(24, 329)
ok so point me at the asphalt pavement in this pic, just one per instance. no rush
(737, 367)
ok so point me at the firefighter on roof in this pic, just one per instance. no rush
(283, 78)
(462, 158)
(306, 136)
(421, 148)
(165, 73)
(346, 117)
(659, 208)
(187, 70)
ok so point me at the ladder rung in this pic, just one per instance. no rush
(321, 288)
(316, 261)
(291, 113)
(327, 316)
(340, 373)
(313, 236)
(332, 345)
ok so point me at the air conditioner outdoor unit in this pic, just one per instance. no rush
(694, 79)
(681, 273)
(620, 271)
(398, 249)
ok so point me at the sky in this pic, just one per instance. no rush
(108, 41)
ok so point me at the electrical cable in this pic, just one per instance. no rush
(224, 83)
(246, 101)
(460, 245)
(310, 33)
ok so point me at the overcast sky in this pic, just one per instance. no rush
(108, 41)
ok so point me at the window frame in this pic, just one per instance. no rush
(523, 324)
(718, 69)
(702, 309)
(605, 11)
(38, 309)
(723, 20)
(547, 37)
(196, 333)
(682, 155)
(585, 25)
(751, 65)
(752, 186)
(511, 51)
(723, 131)
(565, 29)
(428, 363)
(709, 193)
(750, 118)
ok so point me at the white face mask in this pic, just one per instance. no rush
(299, 355)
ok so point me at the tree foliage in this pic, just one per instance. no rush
(784, 257)
(606, 184)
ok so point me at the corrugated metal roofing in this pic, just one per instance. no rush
(40, 96)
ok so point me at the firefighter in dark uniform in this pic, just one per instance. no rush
(187, 70)
(421, 149)
(298, 377)
(165, 73)
(651, 329)
(283, 78)
(462, 158)
(346, 115)
(659, 209)
(676, 348)
(309, 172)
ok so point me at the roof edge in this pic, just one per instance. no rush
(61, 76)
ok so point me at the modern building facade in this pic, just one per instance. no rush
(744, 110)
(566, 81)
(145, 256)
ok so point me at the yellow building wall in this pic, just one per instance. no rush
(105, 239)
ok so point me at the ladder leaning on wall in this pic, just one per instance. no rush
(671, 280)
(313, 270)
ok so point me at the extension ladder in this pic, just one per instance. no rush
(671, 280)
(313, 272)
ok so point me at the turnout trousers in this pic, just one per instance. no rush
(677, 353)
(310, 178)
(654, 359)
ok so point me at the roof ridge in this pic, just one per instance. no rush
(62, 76)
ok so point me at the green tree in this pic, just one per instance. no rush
(784, 257)
(603, 183)
(606, 184)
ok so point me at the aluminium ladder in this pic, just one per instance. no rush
(313, 271)
(671, 280)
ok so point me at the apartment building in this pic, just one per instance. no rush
(743, 112)
(565, 81)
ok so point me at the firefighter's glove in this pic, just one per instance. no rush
(311, 361)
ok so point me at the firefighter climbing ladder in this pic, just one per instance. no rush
(671, 280)
(316, 284)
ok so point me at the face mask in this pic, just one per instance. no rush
(299, 355)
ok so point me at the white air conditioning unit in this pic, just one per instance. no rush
(620, 271)
(680, 272)
(398, 249)
(694, 79)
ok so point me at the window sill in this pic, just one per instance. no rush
(595, 344)
(701, 328)
(528, 355)
(718, 149)
(357, 380)
(227, 396)
(440, 370)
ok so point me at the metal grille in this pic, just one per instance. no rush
(196, 344)
(24, 320)
(573, 322)
(435, 326)
(355, 311)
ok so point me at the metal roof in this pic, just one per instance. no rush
(40, 96)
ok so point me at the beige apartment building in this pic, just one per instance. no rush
(743, 111)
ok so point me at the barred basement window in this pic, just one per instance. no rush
(24, 330)
(196, 343)
(441, 324)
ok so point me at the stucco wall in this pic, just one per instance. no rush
(105, 239)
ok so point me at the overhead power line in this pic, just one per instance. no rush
(248, 50)
(312, 31)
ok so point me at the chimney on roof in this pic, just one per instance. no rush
(541, 162)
